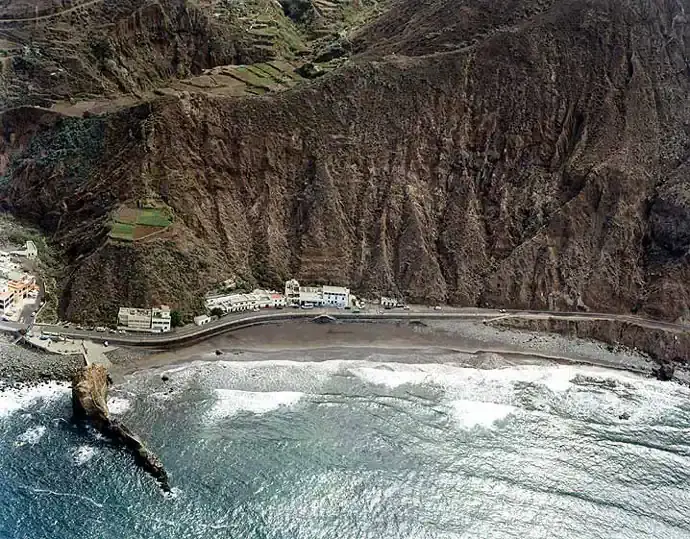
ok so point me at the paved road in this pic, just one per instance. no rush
(236, 321)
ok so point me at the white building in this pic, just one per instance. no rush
(160, 319)
(233, 303)
(292, 292)
(311, 295)
(318, 296)
(278, 300)
(136, 319)
(336, 296)
(6, 296)
(202, 320)
(30, 251)
(156, 320)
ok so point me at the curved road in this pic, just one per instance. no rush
(190, 334)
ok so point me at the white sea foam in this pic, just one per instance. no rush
(12, 400)
(118, 405)
(83, 454)
(392, 377)
(31, 436)
(173, 494)
(470, 414)
(231, 402)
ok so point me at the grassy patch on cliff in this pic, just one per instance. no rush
(131, 224)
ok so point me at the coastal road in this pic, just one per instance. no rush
(191, 334)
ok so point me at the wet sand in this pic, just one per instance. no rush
(462, 342)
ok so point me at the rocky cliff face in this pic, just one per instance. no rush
(90, 403)
(529, 154)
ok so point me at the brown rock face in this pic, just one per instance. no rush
(90, 394)
(90, 403)
(522, 154)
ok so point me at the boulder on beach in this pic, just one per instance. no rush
(664, 372)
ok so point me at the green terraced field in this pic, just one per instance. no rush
(130, 224)
(153, 217)
(122, 231)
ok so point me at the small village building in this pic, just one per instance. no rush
(160, 319)
(336, 296)
(31, 250)
(21, 284)
(233, 303)
(6, 296)
(202, 320)
(156, 320)
(311, 295)
(262, 299)
(318, 296)
(292, 292)
(277, 300)
(135, 319)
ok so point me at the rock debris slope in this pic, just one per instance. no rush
(477, 152)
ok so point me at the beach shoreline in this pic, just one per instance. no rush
(468, 343)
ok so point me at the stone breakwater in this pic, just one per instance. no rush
(89, 403)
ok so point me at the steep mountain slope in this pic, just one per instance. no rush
(524, 154)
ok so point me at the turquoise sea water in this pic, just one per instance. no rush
(357, 449)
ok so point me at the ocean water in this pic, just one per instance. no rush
(357, 449)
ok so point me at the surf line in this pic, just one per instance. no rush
(45, 491)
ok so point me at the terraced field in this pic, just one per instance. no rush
(131, 224)
(256, 79)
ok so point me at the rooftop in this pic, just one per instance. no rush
(335, 289)
(132, 311)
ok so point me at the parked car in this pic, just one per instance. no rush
(437, 308)
(502, 311)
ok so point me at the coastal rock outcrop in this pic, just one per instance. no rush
(90, 403)
(664, 372)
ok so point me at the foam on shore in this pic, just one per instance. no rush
(13, 400)
(230, 402)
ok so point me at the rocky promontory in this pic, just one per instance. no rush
(89, 403)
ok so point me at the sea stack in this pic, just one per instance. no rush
(90, 403)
